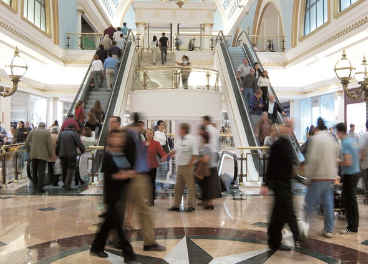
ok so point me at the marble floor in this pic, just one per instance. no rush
(56, 228)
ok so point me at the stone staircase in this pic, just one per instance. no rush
(148, 57)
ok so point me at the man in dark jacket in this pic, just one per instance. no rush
(272, 107)
(66, 149)
(110, 31)
(39, 145)
(279, 173)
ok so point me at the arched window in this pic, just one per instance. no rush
(35, 12)
(9, 2)
(316, 14)
(345, 4)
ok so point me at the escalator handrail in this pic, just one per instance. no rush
(245, 104)
(114, 94)
(235, 159)
(247, 51)
(81, 89)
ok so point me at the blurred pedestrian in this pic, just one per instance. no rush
(154, 45)
(110, 32)
(364, 160)
(116, 169)
(53, 178)
(321, 173)
(185, 72)
(279, 174)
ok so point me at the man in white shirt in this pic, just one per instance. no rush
(186, 155)
(243, 70)
(353, 134)
(116, 34)
(364, 160)
(120, 41)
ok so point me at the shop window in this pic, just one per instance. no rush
(35, 12)
(316, 14)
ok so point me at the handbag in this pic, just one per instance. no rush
(202, 170)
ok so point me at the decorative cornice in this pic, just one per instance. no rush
(328, 40)
(35, 44)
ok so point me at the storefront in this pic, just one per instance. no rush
(312, 108)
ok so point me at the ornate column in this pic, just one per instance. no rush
(80, 12)
(140, 32)
(5, 112)
(295, 113)
(207, 31)
(51, 110)
(339, 107)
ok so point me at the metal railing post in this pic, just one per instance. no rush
(68, 42)
(211, 44)
(208, 75)
(144, 80)
(16, 172)
(283, 44)
(3, 167)
(241, 168)
(92, 174)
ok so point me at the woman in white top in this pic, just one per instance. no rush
(161, 137)
(97, 70)
(154, 45)
(263, 84)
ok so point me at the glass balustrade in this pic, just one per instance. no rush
(175, 78)
(83, 41)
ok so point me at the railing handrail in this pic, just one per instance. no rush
(252, 148)
(131, 33)
(196, 34)
(80, 33)
(258, 36)
(162, 68)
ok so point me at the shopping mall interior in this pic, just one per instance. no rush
(313, 50)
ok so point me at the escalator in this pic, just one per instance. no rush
(113, 102)
(226, 60)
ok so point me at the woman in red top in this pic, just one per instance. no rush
(153, 148)
(79, 113)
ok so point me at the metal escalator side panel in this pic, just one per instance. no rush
(114, 93)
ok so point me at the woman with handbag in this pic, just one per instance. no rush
(207, 172)
(153, 149)
(80, 114)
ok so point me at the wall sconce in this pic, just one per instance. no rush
(344, 71)
(17, 68)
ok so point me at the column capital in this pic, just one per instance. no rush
(207, 25)
(340, 93)
(80, 11)
(142, 24)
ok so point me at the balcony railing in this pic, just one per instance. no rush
(83, 41)
(195, 42)
(264, 43)
(168, 77)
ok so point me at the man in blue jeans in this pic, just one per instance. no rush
(321, 172)
(164, 43)
(350, 168)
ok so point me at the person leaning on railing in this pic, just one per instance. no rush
(185, 72)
